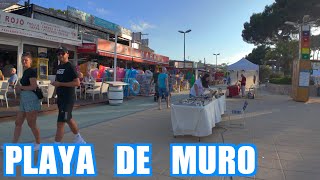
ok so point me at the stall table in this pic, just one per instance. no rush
(197, 120)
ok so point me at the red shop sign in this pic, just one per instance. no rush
(87, 48)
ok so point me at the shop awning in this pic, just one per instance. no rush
(127, 58)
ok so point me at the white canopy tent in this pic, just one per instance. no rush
(248, 69)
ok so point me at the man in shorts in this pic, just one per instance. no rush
(163, 86)
(66, 81)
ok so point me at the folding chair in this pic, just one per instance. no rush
(241, 113)
(3, 93)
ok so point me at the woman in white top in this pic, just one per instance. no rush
(199, 85)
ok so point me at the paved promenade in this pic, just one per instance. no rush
(285, 132)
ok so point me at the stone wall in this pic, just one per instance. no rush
(287, 89)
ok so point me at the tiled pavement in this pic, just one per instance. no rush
(285, 132)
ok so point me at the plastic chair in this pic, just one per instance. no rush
(104, 88)
(12, 88)
(95, 90)
(3, 92)
(47, 93)
(78, 90)
(242, 113)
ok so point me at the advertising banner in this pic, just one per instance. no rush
(89, 19)
(108, 46)
(33, 25)
(22, 32)
(87, 48)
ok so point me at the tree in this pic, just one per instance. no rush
(257, 56)
(284, 53)
(59, 11)
(269, 26)
(315, 46)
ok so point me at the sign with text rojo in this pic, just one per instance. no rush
(33, 25)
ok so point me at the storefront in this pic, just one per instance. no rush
(134, 57)
(20, 34)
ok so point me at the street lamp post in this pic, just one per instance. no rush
(184, 46)
(216, 60)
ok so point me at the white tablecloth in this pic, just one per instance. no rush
(196, 120)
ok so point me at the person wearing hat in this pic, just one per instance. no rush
(65, 83)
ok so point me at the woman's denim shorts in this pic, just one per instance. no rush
(29, 101)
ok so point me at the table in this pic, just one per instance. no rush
(197, 120)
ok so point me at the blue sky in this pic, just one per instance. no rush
(216, 25)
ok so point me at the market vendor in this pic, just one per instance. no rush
(199, 86)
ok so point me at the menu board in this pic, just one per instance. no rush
(304, 78)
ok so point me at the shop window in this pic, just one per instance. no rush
(45, 52)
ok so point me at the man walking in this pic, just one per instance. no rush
(66, 81)
(163, 85)
(243, 84)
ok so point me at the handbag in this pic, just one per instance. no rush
(39, 93)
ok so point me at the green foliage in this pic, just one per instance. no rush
(258, 54)
(268, 27)
(283, 80)
(264, 73)
(276, 75)
(59, 11)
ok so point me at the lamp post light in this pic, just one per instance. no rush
(184, 46)
(216, 60)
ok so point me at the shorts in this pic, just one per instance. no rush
(163, 92)
(29, 102)
(65, 110)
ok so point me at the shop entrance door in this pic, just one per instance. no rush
(8, 59)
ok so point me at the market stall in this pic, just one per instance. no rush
(197, 116)
(248, 69)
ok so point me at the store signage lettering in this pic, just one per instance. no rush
(21, 32)
(29, 24)
(14, 20)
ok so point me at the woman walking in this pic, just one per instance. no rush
(29, 102)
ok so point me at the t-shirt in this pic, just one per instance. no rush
(66, 73)
(13, 78)
(27, 74)
(200, 88)
(162, 80)
(243, 81)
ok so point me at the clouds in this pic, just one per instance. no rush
(141, 26)
(97, 10)
(102, 11)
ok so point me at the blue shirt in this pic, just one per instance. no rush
(13, 78)
(162, 80)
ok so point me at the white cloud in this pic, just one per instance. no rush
(102, 11)
(141, 26)
(90, 3)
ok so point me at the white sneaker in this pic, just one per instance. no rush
(79, 140)
(36, 147)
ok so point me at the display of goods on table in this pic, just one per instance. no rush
(201, 100)
(233, 90)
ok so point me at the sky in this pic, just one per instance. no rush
(216, 25)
